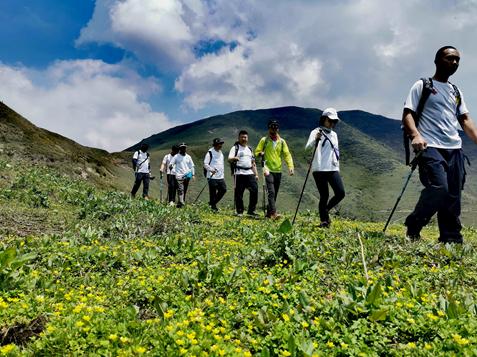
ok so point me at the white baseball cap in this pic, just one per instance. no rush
(330, 113)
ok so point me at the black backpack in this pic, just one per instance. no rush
(428, 88)
(210, 160)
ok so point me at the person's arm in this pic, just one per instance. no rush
(163, 168)
(260, 149)
(288, 157)
(468, 126)
(409, 123)
(134, 160)
(232, 158)
(314, 136)
(191, 166)
(254, 169)
(207, 161)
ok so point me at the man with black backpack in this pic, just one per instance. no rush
(245, 174)
(432, 112)
(142, 171)
(272, 148)
(214, 172)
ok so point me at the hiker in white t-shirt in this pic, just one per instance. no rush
(214, 166)
(142, 171)
(183, 167)
(170, 174)
(433, 124)
(245, 174)
(326, 164)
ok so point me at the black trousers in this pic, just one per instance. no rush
(442, 173)
(248, 182)
(144, 178)
(217, 190)
(322, 180)
(273, 181)
(171, 188)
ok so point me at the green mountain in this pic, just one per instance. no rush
(371, 163)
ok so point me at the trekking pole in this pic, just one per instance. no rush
(203, 188)
(413, 165)
(264, 187)
(306, 179)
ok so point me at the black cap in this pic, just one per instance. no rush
(217, 141)
(273, 122)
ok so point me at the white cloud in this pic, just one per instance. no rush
(94, 103)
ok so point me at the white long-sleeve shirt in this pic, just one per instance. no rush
(325, 158)
(182, 165)
(214, 163)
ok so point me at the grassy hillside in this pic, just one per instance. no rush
(372, 159)
(107, 275)
(24, 142)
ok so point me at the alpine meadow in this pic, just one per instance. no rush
(86, 270)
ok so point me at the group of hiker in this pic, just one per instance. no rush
(433, 110)
(270, 153)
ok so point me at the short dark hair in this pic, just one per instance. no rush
(440, 52)
(243, 132)
(144, 147)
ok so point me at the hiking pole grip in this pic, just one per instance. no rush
(306, 179)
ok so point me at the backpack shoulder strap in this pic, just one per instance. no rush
(210, 155)
(427, 89)
(458, 97)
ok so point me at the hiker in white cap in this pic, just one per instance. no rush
(183, 167)
(326, 164)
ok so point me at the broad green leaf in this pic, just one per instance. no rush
(379, 315)
(285, 227)
(374, 294)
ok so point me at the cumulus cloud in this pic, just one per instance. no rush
(351, 54)
(94, 103)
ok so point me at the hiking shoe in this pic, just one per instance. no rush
(238, 214)
(214, 209)
(253, 214)
(172, 203)
(324, 225)
(275, 216)
(413, 234)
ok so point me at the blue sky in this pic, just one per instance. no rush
(108, 73)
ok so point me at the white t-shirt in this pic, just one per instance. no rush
(246, 160)
(438, 124)
(142, 165)
(325, 159)
(182, 165)
(166, 162)
(217, 163)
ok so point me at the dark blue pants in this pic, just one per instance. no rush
(144, 178)
(442, 173)
(272, 181)
(217, 190)
(248, 182)
(322, 180)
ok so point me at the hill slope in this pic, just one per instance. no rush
(371, 147)
(22, 141)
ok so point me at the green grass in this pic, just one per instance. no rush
(126, 277)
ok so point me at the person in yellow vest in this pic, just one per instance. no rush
(273, 148)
